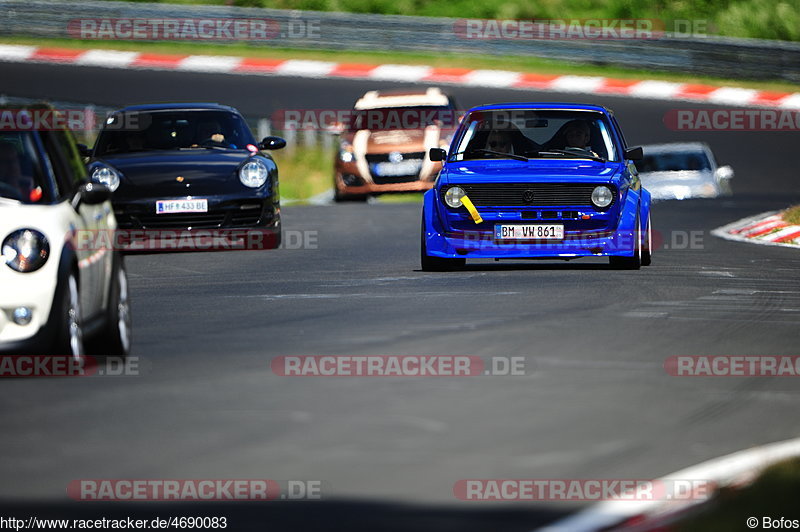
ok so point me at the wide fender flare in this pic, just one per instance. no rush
(644, 208)
(629, 210)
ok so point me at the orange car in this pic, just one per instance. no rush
(384, 146)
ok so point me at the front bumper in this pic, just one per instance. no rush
(224, 212)
(387, 188)
(451, 233)
(482, 244)
(232, 222)
(36, 291)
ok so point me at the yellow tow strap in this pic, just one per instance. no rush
(472, 210)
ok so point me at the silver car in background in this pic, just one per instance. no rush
(683, 170)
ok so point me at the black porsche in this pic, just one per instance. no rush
(188, 167)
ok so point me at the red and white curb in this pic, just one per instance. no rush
(768, 228)
(650, 89)
(735, 470)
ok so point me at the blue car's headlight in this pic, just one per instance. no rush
(602, 196)
(453, 195)
(25, 250)
(253, 174)
(106, 176)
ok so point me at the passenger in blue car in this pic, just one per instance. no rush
(503, 138)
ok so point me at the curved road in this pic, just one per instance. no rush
(596, 402)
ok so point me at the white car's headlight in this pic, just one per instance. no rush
(346, 154)
(453, 195)
(25, 250)
(602, 196)
(253, 174)
(107, 176)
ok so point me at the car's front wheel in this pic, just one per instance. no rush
(436, 264)
(634, 262)
(647, 249)
(69, 336)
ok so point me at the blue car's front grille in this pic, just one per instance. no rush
(529, 195)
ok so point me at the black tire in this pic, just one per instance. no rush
(436, 264)
(634, 262)
(68, 340)
(647, 248)
(114, 339)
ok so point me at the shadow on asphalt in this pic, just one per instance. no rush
(522, 265)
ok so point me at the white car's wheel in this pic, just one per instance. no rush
(69, 338)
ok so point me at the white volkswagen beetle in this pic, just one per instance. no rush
(61, 285)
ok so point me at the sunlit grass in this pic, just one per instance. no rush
(792, 215)
(773, 494)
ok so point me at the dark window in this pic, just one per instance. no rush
(21, 172)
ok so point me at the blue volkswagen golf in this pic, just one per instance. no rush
(536, 181)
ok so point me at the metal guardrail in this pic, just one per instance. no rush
(728, 57)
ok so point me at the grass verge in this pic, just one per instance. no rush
(304, 172)
(438, 59)
(762, 19)
(792, 215)
(773, 494)
(308, 171)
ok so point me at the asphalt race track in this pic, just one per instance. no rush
(596, 401)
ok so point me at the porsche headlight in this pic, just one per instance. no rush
(253, 174)
(453, 195)
(25, 250)
(346, 152)
(602, 196)
(106, 176)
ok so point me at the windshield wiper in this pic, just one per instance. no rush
(204, 147)
(491, 152)
(578, 154)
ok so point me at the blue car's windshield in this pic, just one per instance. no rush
(529, 133)
(172, 130)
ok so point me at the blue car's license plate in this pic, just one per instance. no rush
(529, 232)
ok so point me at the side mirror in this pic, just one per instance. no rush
(634, 154)
(272, 143)
(437, 154)
(84, 150)
(91, 193)
(723, 173)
